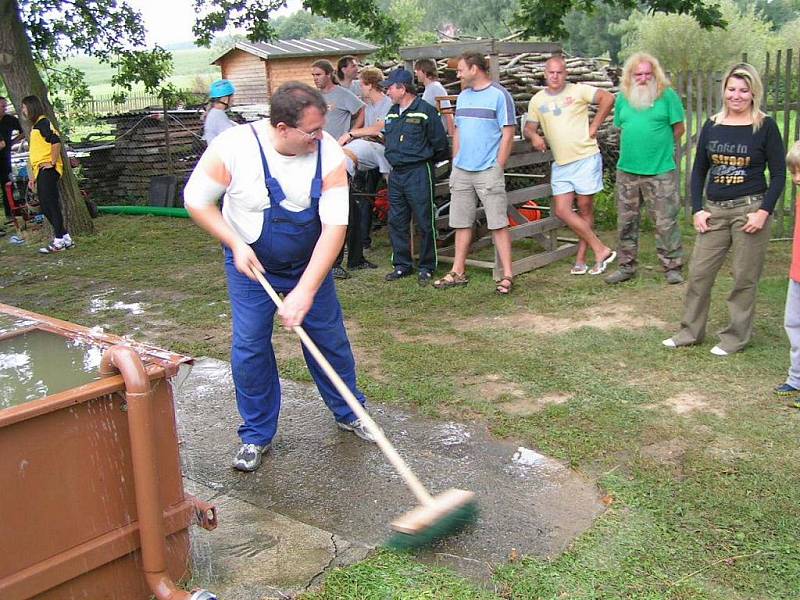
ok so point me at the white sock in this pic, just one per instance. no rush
(67, 239)
(58, 242)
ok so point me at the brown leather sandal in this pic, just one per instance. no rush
(504, 286)
(452, 279)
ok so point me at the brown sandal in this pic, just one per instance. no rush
(504, 286)
(452, 279)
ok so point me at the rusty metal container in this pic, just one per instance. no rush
(69, 526)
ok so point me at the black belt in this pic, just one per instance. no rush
(409, 166)
(737, 202)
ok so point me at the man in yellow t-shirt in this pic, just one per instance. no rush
(562, 109)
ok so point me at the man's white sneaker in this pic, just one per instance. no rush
(248, 458)
(717, 351)
(358, 428)
(669, 343)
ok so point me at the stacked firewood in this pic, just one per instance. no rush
(119, 173)
(523, 76)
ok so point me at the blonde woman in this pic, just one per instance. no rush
(736, 146)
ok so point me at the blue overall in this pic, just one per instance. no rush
(284, 248)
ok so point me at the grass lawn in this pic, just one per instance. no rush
(698, 459)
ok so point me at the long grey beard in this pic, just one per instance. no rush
(642, 97)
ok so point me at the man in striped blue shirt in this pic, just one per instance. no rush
(484, 132)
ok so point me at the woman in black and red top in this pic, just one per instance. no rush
(735, 148)
(46, 167)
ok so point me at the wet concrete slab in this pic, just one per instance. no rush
(338, 485)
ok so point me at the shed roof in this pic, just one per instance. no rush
(303, 47)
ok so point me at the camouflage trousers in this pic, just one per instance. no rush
(660, 194)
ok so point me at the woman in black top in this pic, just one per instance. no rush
(735, 148)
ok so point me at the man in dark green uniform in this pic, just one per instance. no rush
(415, 140)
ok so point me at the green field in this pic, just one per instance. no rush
(188, 66)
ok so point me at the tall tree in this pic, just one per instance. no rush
(546, 17)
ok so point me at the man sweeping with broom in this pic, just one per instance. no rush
(282, 226)
(285, 215)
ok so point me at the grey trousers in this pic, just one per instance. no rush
(724, 234)
(791, 323)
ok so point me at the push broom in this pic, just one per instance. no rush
(436, 516)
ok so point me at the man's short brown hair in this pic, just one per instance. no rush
(475, 59)
(428, 66)
(371, 76)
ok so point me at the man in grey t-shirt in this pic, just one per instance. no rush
(427, 75)
(345, 111)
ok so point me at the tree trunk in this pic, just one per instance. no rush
(22, 78)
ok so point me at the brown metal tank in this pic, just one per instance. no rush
(70, 526)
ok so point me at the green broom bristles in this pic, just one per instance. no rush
(449, 524)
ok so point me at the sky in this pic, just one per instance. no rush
(170, 21)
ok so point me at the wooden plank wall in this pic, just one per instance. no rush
(296, 69)
(248, 74)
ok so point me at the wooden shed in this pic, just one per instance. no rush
(258, 68)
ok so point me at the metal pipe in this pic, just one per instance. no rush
(125, 361)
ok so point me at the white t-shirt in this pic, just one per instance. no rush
(232, 165)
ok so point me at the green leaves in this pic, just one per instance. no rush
(546, 17)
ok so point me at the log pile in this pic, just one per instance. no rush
(119, 173)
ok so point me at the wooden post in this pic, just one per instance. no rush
(167, 147)
(787, 140)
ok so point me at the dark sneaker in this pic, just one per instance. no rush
(358, 428)
(364, 264)
(619, 276)
(339, 273)
(787, 390)
(673, 277)
(424, 277)
(248, 458)
(397, 274)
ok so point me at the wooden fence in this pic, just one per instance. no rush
(105, 104)
(701, 95)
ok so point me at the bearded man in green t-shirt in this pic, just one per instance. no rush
(650, 115)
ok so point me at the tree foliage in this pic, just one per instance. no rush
(253, 16)
(546, 17)
(595, 33)
(681, 43)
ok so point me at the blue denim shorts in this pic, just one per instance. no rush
(584, 176)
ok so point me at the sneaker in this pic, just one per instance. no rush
(579, 269)
(358, 428)
(601, 265)
(717, 351)
(397, 274)
(52, 248)
(669, 343)
(364, 264)
(339, 273)
(673, 277)
(787, 390)
(248, 458)
(619, 276)
(424, 277)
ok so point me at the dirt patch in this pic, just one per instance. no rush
(669, 452)
(727, 450)
(437, 339)
(529, 406)
(603, 317)
(687, 403)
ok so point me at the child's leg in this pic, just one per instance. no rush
(792, 325)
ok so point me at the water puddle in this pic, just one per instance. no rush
(101, 303)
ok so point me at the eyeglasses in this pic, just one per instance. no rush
(309, 135)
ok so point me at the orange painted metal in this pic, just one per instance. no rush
(90, 482)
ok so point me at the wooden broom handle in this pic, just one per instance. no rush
(384, 444)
